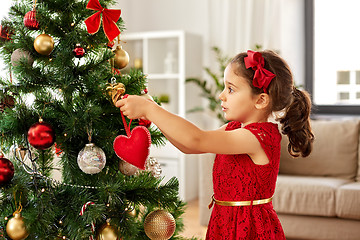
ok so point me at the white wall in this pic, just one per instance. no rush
(158, 15)
(197, 16)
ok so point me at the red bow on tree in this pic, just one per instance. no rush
(262, 77)
(109, 19)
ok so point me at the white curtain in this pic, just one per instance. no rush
(238, 25)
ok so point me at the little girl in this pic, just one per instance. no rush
(248, 147)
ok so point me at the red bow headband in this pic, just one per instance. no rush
(109, 19)
(262, 77)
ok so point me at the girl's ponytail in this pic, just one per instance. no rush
(296, 124)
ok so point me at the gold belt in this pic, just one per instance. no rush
(238, 203)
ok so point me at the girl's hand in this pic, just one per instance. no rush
(134, 106)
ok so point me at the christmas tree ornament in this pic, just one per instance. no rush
(159, 225)
(115, 90)
(144, 122)
(44, 44)
(91, 159)
(153, 166)
(79, 51)
(127, 168)
(110, 44)
(57, 149)
(19, 54)
(5, 33)
(21, 152)
(6, 169)
(6, 101)
(30, 20)
(83, 208)
(109, 19)
(121, 58)
(107, 232)
(131, 211)
(15, 228)
(41, 135)
(133, 148)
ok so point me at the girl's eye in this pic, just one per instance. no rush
(230, 90)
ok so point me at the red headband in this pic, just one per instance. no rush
(262, 77)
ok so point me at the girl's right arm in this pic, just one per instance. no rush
(184, 149)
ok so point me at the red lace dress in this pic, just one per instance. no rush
(237, 178)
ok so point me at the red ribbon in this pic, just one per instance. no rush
(262, 76)
(127, 128)
(109, 19)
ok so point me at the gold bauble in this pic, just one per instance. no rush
(44, 44)
(107, 232)
(159, 225)
(15, 228)
(127, 168)
(121, 58)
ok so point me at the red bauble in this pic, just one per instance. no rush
(41, 135)
(30, 20)
(6, 170)
(79, 52)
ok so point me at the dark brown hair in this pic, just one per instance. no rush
(284, 96)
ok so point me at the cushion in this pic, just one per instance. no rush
(335, 151)
(348, 201)
(313, 196)
(319, 228)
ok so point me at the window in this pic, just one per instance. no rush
(333, 55)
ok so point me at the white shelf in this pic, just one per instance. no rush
(168, 58)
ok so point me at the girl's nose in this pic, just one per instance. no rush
(221, 96)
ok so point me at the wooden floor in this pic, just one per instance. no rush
(191, 221)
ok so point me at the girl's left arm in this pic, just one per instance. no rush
(187, 134)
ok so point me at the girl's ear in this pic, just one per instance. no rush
(262, 101)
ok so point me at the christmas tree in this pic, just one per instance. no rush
(57, 103)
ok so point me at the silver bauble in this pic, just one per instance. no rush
(91, 159)
(18, 54)
(153, 166)
(127, 168)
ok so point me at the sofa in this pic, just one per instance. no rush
(317, 197)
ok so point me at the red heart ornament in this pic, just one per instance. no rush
(135, 148)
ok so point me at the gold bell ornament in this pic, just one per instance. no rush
(15, 228)
(107, 232)
(44, 44)
(115, 90)
(159, 225)
(121, 58)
